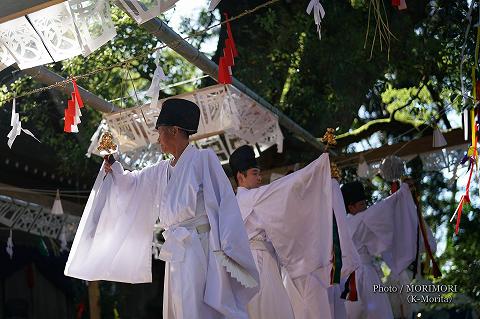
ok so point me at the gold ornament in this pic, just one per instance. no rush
(335, 171)
(106, 146)
(329, 138)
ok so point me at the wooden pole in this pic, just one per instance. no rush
(94, 299)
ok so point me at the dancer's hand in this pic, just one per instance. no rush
(108, 163)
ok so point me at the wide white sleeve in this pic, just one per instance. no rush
(296, 211)
(232, 273)
(350, 257)
(114, 237)
(394, 221)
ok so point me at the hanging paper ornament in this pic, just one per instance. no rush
(392, 168)
(72, 112)
(9, 247)
(318, 14)
(16, 127)
(57, 209)
(438, 139)
(158, 76)
(213, 4)
(363, 168)
(143, 10)
(226, 61)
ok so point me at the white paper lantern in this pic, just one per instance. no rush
(23, 43)
(57, 30)
(143, 10)
(392, 168)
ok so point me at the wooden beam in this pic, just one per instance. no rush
(16, 9)
(418, 146)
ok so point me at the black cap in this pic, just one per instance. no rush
(242, 159)
(181, 113)
(353, 192)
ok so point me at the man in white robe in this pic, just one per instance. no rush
(343, 280)
(289, 223)
(387, 229)
(210, 272)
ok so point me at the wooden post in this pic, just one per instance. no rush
(94, 299)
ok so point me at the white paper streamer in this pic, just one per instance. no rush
(158, 76)
(318, 14)
(9, 247)
(438, 139)
(16, 127)
(57, 209)
(213, 5)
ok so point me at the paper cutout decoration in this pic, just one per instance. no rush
(226, 61)
(57, 209)
(143, 10)
(392, 168)
(16, 127)
(72, 112)
(6, 59)
(23, 43)
(56, 33)
(318, 14)
(438, 139)
(363, 170)
(57, 30)
(158, 76)
(93, 23)
(213, 5)
(9, 247)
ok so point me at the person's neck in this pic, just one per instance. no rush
(178, 153)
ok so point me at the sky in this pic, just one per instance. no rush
(191, 8)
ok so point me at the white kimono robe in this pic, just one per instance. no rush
(387, 228)
(209, 273)
(350, 257)
(295, 215)
(400, 306)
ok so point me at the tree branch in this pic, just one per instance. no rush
(385, 124)
(441, 108)
(410, 100)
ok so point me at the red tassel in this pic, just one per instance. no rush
(76, 94)
(68, 122)
(395, 3)
(228, 57)
(221, 73)
(459, 214)
(230, 36)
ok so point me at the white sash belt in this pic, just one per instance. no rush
(179, 236)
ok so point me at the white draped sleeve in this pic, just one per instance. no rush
(114, 237)
(232, 276)
(393, 223)
(350, 257)
(296, 211)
